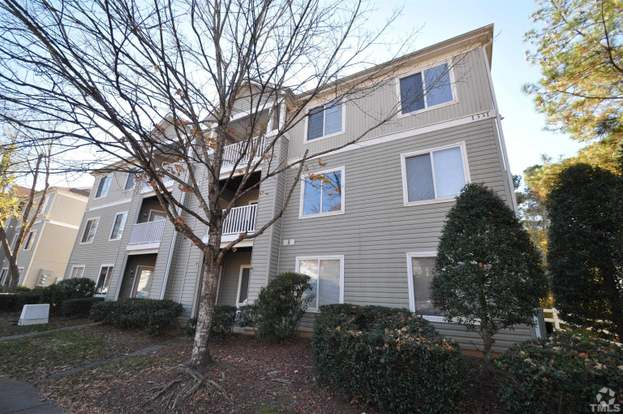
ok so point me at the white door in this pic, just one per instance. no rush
(142, 282)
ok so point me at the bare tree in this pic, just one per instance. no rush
(22, 157)
(156, 87)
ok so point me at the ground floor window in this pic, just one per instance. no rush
(103, 279)
(327, 275)
(243, 285)
(421, 268)
(143, 280)
(77, 271)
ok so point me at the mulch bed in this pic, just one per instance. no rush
(249, 377)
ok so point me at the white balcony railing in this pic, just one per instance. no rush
(241, 152)
(146, 187)
(149, 232)
(240, 220)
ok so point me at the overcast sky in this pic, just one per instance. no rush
(441, 19)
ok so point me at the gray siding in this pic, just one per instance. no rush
(364, 112)
(228, 285)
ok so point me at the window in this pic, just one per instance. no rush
(143, 282)
(418, 92)
(327, 276)
(118, 225)
(90, 227)
(243, 285)
(30, 239)
(322, 193)
(103, 279)
(77, 271)
(421, 267)
(130, 181)
(436, 175)
(156, 215)
(324, 121)
(3, 276)
(103, 186)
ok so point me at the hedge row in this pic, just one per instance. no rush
(223, 321)
(78, 306)
(54, 294)
(561, 375)
(387, 357)
(152, 315)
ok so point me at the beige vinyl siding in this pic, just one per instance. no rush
(362, 113)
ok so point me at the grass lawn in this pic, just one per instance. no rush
(8, 324)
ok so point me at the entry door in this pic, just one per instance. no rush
(142, 282)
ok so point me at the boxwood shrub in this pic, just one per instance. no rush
(152, 315)
(387, 357)
(78, 306)
(560, 375)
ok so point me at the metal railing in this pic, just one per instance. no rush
(240, 220)
(242, 151)
(149, 232)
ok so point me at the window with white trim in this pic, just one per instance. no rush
(421, 272)
(103, 186)
(103, 280)
(30, 239)
(118, 225)
(90, 227)
(433, 175)
(326, 273)
(425, 89)
(77, 271)
(130, 181)
(243, 285)
(322, 193)
(325, 120)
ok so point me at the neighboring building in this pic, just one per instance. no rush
(46, 248)
(367, 235)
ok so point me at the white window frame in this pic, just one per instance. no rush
(97, 223)
(245, 266)
(410, 257)
(73, 267)
(403, 165)
(30, 240)
(104, 194)
(318, 259)
(159, 213)
(122, 227)
(342, 169)
(421, 69)
(125, 184)
(112, 266)
(333, 134)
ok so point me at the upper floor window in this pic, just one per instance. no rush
(322, 193)
(434, 175)
(77, 271)
(425, 89)
(130, 181)
(30, 239)
(118, 225)
(324, 121)
(103, 186)
(90, 227)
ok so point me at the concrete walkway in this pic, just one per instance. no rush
(20, 397)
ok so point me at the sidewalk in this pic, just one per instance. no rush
(23, 398)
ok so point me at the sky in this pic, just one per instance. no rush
(437, 20)
(523, 126)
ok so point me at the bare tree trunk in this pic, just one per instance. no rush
(486, 333)
(200, 356)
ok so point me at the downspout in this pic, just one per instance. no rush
(498, 125)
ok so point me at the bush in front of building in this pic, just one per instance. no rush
(54, 294)
(388, 357)
(78, 307)
(281, 305)
(224, 317)
(561, 375)
(245, 316)
(154, 316)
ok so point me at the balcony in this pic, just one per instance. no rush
(232, 152)
(239, 220)
(146, 235)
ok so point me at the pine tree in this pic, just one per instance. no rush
(488, 273)
(585, 255)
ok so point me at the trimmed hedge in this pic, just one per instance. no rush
(152, 315)
(387, 357)
(78, 306)
(561, 375)
(54, 294)
(222, 324)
